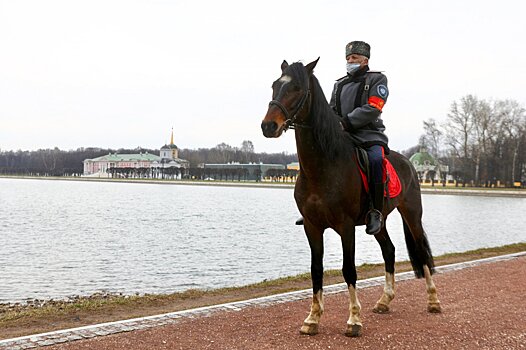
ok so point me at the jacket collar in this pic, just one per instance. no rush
(359, 73)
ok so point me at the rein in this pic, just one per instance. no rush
(290, 122)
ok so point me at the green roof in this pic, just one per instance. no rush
(422, 158)
(115, 157)
(170, 146)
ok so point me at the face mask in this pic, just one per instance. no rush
(352, 67)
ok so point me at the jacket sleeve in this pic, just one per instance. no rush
(372, 109)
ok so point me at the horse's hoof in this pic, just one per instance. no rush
(381, 308)
(309, 329)
(434, 308)
(354, 330)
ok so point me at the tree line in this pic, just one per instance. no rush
(57, 162)
(481, 141)
(224, 153)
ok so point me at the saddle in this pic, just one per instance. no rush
(389, 176)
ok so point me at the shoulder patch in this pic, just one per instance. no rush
(382, 91)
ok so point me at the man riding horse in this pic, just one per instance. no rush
(358, 98)
(329, 190)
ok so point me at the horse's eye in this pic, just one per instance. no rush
(296, 88)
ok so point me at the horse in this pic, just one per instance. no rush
(329, 193)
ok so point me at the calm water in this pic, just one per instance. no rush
(60, 238)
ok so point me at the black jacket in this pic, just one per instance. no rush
(359, 99)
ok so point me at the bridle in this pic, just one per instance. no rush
(290, 122)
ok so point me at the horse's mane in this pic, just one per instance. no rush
(331, 139)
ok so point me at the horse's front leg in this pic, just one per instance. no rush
(354, 323)
(433, 305)
(315, 237)
(388, 253)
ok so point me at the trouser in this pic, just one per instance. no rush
(374, 219)
(375, 154)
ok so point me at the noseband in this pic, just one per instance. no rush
(290, 122)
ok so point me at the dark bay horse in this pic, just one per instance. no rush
(329, 192)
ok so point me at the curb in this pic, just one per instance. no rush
(102, 329)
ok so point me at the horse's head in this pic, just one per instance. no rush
(290, 94)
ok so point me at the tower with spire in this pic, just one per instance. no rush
(170, 151)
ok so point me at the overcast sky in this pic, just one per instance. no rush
(121, 74)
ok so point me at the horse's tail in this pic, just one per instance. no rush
(419, 252)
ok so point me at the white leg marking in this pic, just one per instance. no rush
(316, 309)
(433, 304)
(382, 305)
(310, 325)
(354, 308)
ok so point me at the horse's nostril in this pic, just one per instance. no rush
(269, 128)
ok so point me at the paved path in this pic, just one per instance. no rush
(483, 303)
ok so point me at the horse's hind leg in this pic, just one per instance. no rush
(433, 304)
(388, 253)
(315, 237)
(419, 250)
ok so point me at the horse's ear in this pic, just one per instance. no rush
(310, 66)
(284, 65)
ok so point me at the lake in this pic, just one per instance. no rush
(65, 238)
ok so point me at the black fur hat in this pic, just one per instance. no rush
(359, 48)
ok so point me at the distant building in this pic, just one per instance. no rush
(427, 167)
(254, 171)
(168, 159)
(293, 166)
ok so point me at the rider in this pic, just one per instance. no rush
(358, 98)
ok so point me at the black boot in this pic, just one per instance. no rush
(374, 219)
(299, 221)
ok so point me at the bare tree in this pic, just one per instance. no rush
(247, 151)
(225, 152)
(460, 124)
(247, 146)
(513, 119)
(483, 124)
(459, 134)
(432, 138)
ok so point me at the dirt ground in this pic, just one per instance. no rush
(483, 308)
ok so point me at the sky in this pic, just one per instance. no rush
(122, 74)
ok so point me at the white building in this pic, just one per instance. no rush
(151, 165)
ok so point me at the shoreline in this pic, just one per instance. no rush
(21, 321)
(468, 191)
(106, 295)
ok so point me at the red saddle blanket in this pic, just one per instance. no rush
(393, 187)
